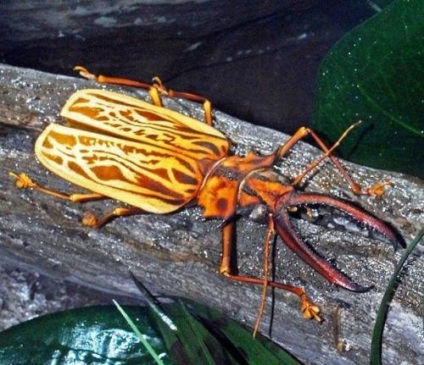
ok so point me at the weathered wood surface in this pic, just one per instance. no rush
(178, 254)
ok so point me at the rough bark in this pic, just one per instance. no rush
(178, 254)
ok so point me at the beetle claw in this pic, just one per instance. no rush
(378, 189)
(23, 181)
(309, 309)
(89, 219)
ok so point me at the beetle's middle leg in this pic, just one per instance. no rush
(309, 309)
(89, 219)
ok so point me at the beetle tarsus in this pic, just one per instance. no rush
(85, 73)
(309, 309)
(89, 219)
(378, 189)
(23, 181)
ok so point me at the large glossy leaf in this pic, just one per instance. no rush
(376, 74)
(95, 335)
(100, 335)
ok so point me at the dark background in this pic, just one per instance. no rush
(256, 60)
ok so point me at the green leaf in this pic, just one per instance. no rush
(257, 350)
(377, 336)
(95, 335)
(99, 335)
(191, 343)
(376, 74)
(208, 337)
(140, 336)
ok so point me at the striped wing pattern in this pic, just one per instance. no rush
(134, 119)
(114, 149)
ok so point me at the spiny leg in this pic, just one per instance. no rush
(309, 309)
(376, 190)
(156, 90)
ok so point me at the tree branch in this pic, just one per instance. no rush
(179, 254)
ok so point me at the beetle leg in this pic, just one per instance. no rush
(89, 219)
(23, 181)
(268, 238)
(309, 309)
(356, 188)
(376, 190)
(110, 80)
(207, 105)
(155, 90)
(303, 132)
(228, 232)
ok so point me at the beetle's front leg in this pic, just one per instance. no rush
(269, 236)
(309, 309)
(228, 234)
(375, 190)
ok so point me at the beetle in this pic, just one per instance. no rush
(160, 161)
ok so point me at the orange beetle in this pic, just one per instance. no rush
(158, 161)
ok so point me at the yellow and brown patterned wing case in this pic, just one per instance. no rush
(130, 150)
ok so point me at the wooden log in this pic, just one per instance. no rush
(178, 254)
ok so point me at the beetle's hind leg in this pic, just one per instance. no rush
(23, 181)
(156, 90)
